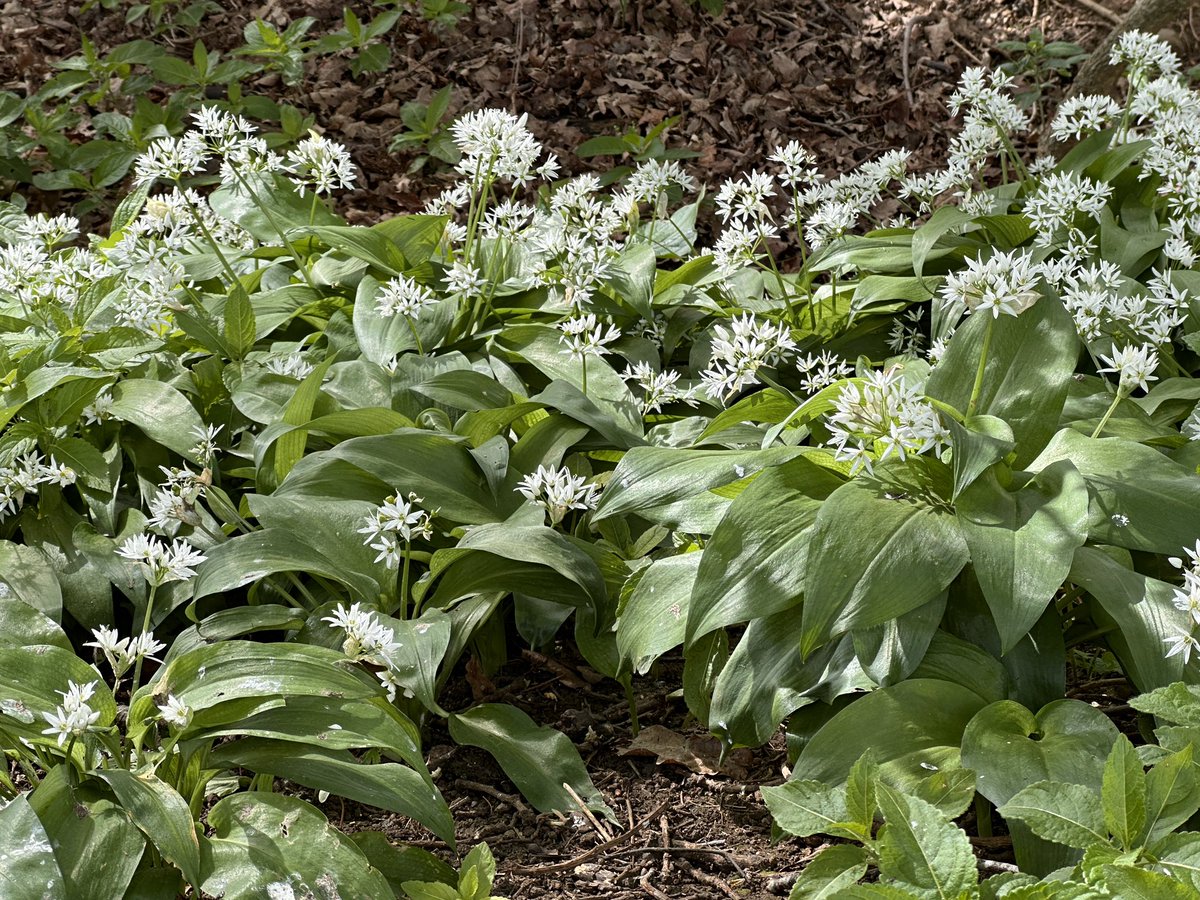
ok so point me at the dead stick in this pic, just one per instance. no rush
(591, 817)
(579, 860)
(685, 851)
(1100, 10)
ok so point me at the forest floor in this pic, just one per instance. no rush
(847, 79)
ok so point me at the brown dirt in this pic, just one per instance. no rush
(826, 72)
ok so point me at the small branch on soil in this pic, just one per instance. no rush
(712, 881)
(591, 816)
(666, 845)
(650, 889)
(568, 865)
(511, 799)
(685, 851)
(905, 42)
(994, 867)
(1100, 10)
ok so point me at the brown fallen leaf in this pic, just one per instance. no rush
(698, 752)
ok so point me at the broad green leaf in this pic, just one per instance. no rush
(32, 680)
(332, 723)
(418, 652)
(239, 620)
(754, 564)
(1171, 795)
(920, 848)
(1029, 365)
(1059, 811)
(803, 808)
(1124, 794)
(400, 863)
(1129, 883)
(872, 557)
(1011, 748)
(1140, 498)
(271, 843)
(251, 557)
(437, 469)
(240, 325)
(834, 868)
(1179, 854)
(655, 482)
(29, 575)
(1177, 703)
(538, 759)
(366, 244)
(541, 347)
(97, 847)
(1142, 609)
(22, 625)
(417, 236)
(207, 677)
(382, 337)
(28, 869)
(653, 618)
(541, 546)
(861, 802)
(978, 443)
(891, 652)
(389, 786)
(766, 679)
(910, 726)
(162, 815)
(289, 447)
(159, 410)
(950, 791)
(1022, 543)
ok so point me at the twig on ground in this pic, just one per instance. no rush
(905, 43)
(603, 832)
(511, 799)
(666, 843)
(1101, 10)
(645, 885)
(993, 866)
(686, 851)
(712, 881)
(567, 865)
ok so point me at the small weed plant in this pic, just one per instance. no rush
(267, 479)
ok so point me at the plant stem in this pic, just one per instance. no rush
(583, 360)
(1112, 407)
(301, 267)
(404, 580)
(137, 666)
(412, 326)
(983, 816)
(977, 388)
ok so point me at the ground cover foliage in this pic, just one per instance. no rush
(268, 480)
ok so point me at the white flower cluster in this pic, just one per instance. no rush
(121, 653)
(402, 296)
(585, 336)
(1060, 199)
(24, 475)
(175, 712)
(396, 521)
(820, 370)
(1077, 117)
(1187, 600)
(1003, 283)
(1145, 56)
(320, 164)
(175, 499)
(906, 337)
(1104, 303)
(881, 417)
(369, 640)
(558, 491)
(739, 350)
(159, 562)
(289, 365)
(658, 388)
(496, 145)
(1133, 365)
(73, 717)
